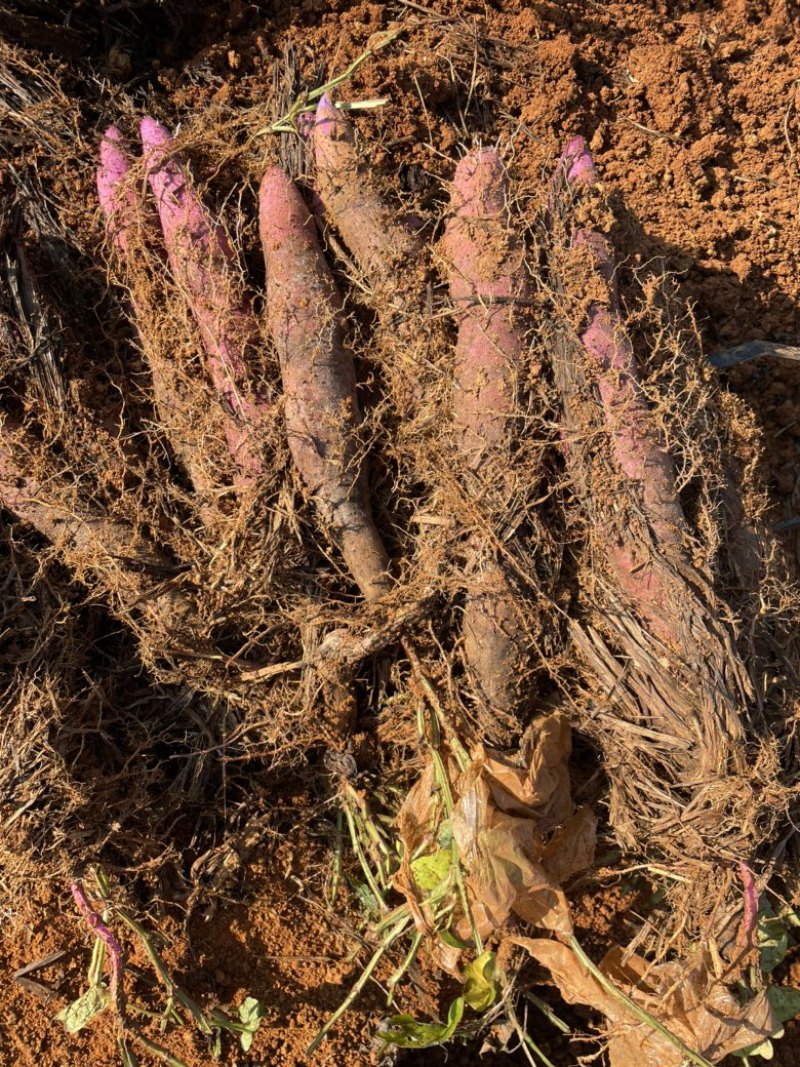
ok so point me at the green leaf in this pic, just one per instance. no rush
(785, 1002)
(773, 937)
(251, 1012)
(773, 943)
(405, 1032)
(80, 1012)
(480, 988)
(451, 940)
(430, 871)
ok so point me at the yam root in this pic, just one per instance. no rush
(322, 411)
(384, 249)
(205, 268)
(667, 652)
(118, 200)
(490, 289)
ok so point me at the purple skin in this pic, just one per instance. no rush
(750, 894)
(100, 930)
(490, 341)
(637, 448)
(634, 437)
(205, 268)
(319, 385)
(117, 199)
(383, 248)
(487, 263)
(578, 163)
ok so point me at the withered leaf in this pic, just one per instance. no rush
(687, 999)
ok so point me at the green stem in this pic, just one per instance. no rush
(338, 849)
(401, 970)
(287, 124)
(363, 978)
(548, 1012)
(529, 1046)
(173, 989)
(157, 1050)
(362, 859)
(95, 972)
(635, 1010)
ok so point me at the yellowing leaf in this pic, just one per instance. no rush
(430, 871)
(480, 987)
(766, 1050)
(80, 1012)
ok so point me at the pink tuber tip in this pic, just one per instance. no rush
(153, 134)
(328, 122)
(577, 162)
(479, 185)
(118, 202)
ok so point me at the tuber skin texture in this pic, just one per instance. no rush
(206, 270)
(693, 688)
(635, 441)
(322, 412)
(116, 195)
(118, 201)
(384, 249)
(487, 264)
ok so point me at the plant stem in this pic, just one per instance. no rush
(548, 1012)
(362, 859)
(639, 1012)
(401, 970)
(338, 849)
(157, 1050)
(287, 123)
(100, 930)
(359, 985)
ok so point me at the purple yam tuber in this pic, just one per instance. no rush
(384, 249)
(206, 270)
(488, 281)
(116, 195)
(122, 210)
(322, 412)
(635, 441)
(691, 689)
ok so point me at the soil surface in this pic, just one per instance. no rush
(692, 111)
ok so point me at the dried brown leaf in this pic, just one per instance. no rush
(686, 998)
